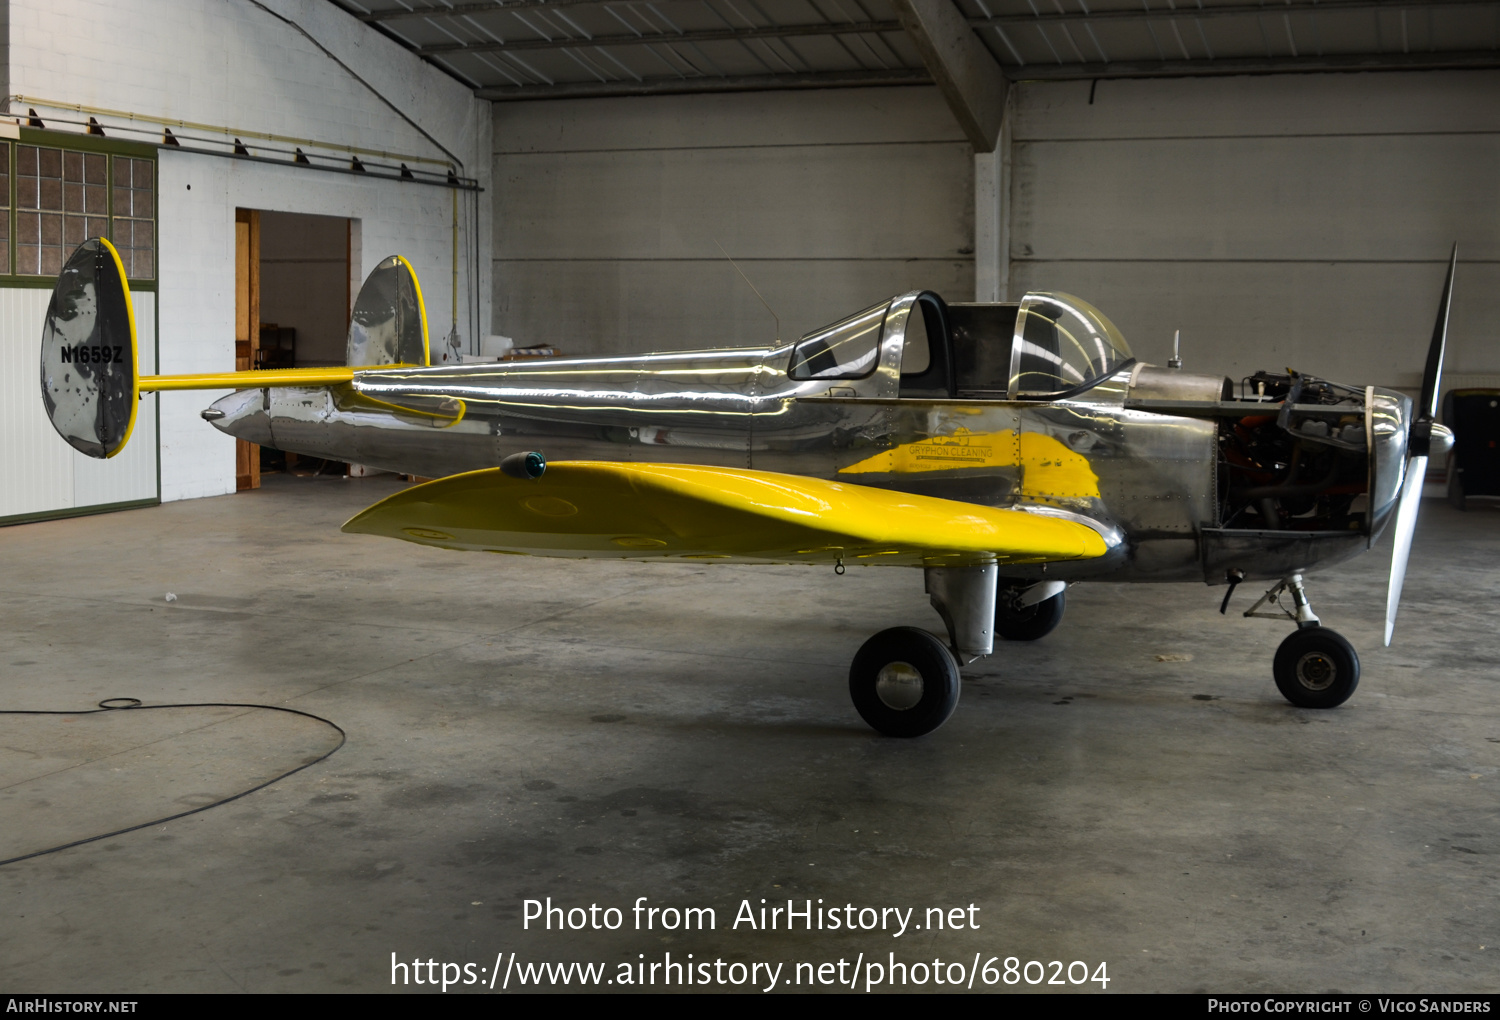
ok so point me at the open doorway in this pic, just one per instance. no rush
(292, 300)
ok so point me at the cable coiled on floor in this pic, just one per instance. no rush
(134, 705)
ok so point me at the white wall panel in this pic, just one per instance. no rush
(39, 472)
(629, 306)
(1317, 106)
(898, 201)
(36, 465)
(607, 214)
(1340, 199)
(1297, 220)
(1358, 323)
(800, 119)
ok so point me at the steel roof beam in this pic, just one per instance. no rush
(697, 36)
(1156, 14)
(963, 69)
(1054, 72)
(464, 10)
(860, 27)
(1431, 61)
(1186, 13)
(730, 83)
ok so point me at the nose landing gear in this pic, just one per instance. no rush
(1314, 667)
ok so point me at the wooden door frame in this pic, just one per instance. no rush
(246, 329)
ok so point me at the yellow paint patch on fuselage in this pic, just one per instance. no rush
(1048, 468)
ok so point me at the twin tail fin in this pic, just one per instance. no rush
(91, 384)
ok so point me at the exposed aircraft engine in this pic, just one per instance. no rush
(1292, 471)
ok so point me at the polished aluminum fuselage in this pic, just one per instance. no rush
(1153, 493)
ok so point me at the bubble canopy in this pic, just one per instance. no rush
(1062, 345)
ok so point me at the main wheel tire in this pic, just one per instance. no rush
(1027, 623)
(1316, 668)
(904, 682)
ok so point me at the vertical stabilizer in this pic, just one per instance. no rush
(89, 375)
(389, 326)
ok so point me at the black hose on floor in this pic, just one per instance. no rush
(134, 705)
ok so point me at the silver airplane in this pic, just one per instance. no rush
(1007, 449)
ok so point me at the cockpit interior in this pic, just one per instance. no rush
(1043, 347)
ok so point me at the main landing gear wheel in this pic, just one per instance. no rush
(1027, 623)
(904, 682)
(1316, 668)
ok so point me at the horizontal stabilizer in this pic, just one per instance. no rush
(253, 380)
(387, 330)
(587, 509)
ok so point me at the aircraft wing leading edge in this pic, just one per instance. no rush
(588, 509)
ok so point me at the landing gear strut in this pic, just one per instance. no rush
(1314, 667)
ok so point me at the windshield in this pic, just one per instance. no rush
(1062, 343)
(845, 350)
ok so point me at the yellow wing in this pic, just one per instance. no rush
(592, 509)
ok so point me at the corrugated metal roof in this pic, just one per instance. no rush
(524, 49)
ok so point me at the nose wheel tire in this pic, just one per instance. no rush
(904, 682)
(1027, 623)
(1316, 668)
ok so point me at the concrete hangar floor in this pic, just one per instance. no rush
(1131, 791)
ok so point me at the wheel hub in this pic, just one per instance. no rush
(1316, 671)
(899, 686)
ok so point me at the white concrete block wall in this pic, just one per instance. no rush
(1298, 220)
(236, 64)
(607, 213)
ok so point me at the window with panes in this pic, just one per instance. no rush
(62, 196)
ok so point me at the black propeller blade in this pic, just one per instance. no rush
(1419, 442)
(1425, 413)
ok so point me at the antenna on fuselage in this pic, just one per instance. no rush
(1176, 359)
(763, 301)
